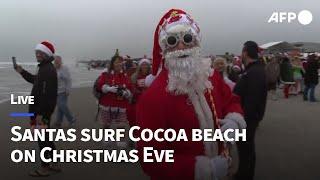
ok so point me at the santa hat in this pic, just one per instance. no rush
(236, 67)
(175, 20)
(144, 61)
(46, 47)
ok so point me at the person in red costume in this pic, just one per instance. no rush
(114, 102)
(138, 78)
(139, 86)
(186, 94)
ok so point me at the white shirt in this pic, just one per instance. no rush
(64, 80)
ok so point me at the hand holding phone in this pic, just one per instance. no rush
(16, 66)
(14, 62)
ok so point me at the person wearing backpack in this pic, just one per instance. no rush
(115, 88)
(272, 75)
(286, 74)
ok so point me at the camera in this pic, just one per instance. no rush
(120, 91)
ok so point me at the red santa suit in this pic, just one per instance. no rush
(139, 87)
(138, 80)
(158, 108)
(112, 102)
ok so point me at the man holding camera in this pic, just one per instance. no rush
(115, 87)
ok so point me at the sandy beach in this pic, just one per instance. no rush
(287, 142)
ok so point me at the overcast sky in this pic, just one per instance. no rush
(83, 29)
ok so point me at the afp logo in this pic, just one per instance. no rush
(304, 17)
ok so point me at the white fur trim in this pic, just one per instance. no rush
(104, 88)
(236, 67)
(204, 116)
(238, 118)
(179, 28)
(128, 94)
(201, 119)
(149, 79)
(208, 114)
(184, 23)
(144, 61)
(44, 49)
(230, 83)
(203, 169)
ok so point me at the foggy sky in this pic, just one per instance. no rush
(83, 29)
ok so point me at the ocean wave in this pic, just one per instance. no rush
(1, 88)
(20, 63)
(13, 83)
(4, 100)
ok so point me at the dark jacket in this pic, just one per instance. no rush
(252, 88)
(44, 90)
(232, 74)
(286, 71)
(272, 72)
(311, 75)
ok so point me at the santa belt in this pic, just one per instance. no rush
(112, 109)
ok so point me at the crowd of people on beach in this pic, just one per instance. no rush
(294, 74)
(178, 88)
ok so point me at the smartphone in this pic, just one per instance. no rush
(14, 62)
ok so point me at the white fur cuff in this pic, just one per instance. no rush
(105, 88)
(44, 49)
(149, 79)
(128, 94)
(238, 118)
(203, 169)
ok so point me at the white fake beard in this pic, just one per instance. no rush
(187, 74)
